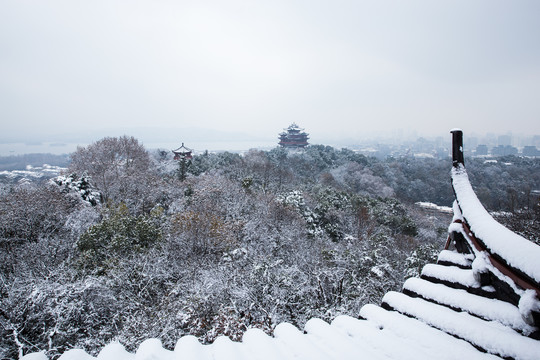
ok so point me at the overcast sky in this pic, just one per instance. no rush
(337, 68)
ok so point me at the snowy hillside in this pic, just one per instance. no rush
(277, 251)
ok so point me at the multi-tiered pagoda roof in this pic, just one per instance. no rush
(293, 137)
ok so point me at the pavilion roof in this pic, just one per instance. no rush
(182, 149)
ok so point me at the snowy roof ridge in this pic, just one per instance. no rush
(518, 252)
(344, 338)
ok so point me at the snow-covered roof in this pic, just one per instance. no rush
(383, 335)
(182, 149)
(517, 251)
(293, 126)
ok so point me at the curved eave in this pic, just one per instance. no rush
(517, 251)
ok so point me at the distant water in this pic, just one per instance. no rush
(36, 148)
(7, 149)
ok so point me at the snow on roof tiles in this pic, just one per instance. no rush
(453, 257)
(491, 309)
(517, 251)
(491, 336)
(345, 338)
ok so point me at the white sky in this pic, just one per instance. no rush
(337, 68)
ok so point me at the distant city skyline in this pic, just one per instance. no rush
(341, 70)
(206, 139)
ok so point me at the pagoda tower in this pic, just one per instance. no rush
(293, 137)
(182, 153)
(184, 156)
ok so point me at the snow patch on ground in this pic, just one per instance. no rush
(432, 206)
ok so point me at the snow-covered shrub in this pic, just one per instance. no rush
(295, 200)
(79, 220)
(225, 321)
(391, 213)
(224, 161)
(247, 182)
(72, 183)
(361, 180)
(29, 214)
(422, 255)
(201, 233)
(118, 234)
(56, 315)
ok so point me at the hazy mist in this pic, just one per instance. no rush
(77, 70)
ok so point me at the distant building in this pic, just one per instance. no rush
(470, 143)
(481, 150)
(504, 140)
(536, 140)
(184, 156)
(423, 146)
(293, 137)
(182, 153)
(502, 150)
(530, 151)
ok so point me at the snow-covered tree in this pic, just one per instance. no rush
(121, 169)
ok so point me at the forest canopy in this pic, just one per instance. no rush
(123, 248)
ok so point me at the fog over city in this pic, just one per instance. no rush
(241, 71)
